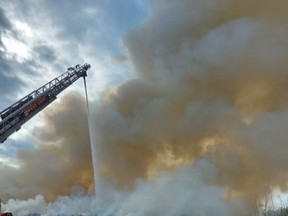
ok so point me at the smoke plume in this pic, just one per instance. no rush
(173, 193)
(212, 86)
(61, 164)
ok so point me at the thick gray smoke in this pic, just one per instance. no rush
(212, 84)
(173, 193)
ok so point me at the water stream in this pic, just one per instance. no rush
(92, 144)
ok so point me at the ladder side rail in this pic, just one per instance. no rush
(38, 91)
(82, 69)
(13, 121)
(67, 81)
(62, 86)
(21, 109)
(37, 100)
(17, 120)
(34, 94)
(58, 87)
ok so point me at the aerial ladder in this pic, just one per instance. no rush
(14, 116)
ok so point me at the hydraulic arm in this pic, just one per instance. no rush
(14, 116)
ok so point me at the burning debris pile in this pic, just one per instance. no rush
(209, 109)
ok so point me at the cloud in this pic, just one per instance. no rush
(4, 21)
(93, 33)
(45, 53)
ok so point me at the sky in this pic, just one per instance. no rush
(39, 40)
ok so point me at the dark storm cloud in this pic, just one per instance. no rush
(82, 21)
(9, 85)
(45, 53)
(4, 22)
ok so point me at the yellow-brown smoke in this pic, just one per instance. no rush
(213, 83)
(62, 161)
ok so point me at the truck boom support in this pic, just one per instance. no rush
(14, 116)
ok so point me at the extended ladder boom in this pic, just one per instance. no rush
(14, 116)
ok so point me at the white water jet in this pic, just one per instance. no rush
(92, 144)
